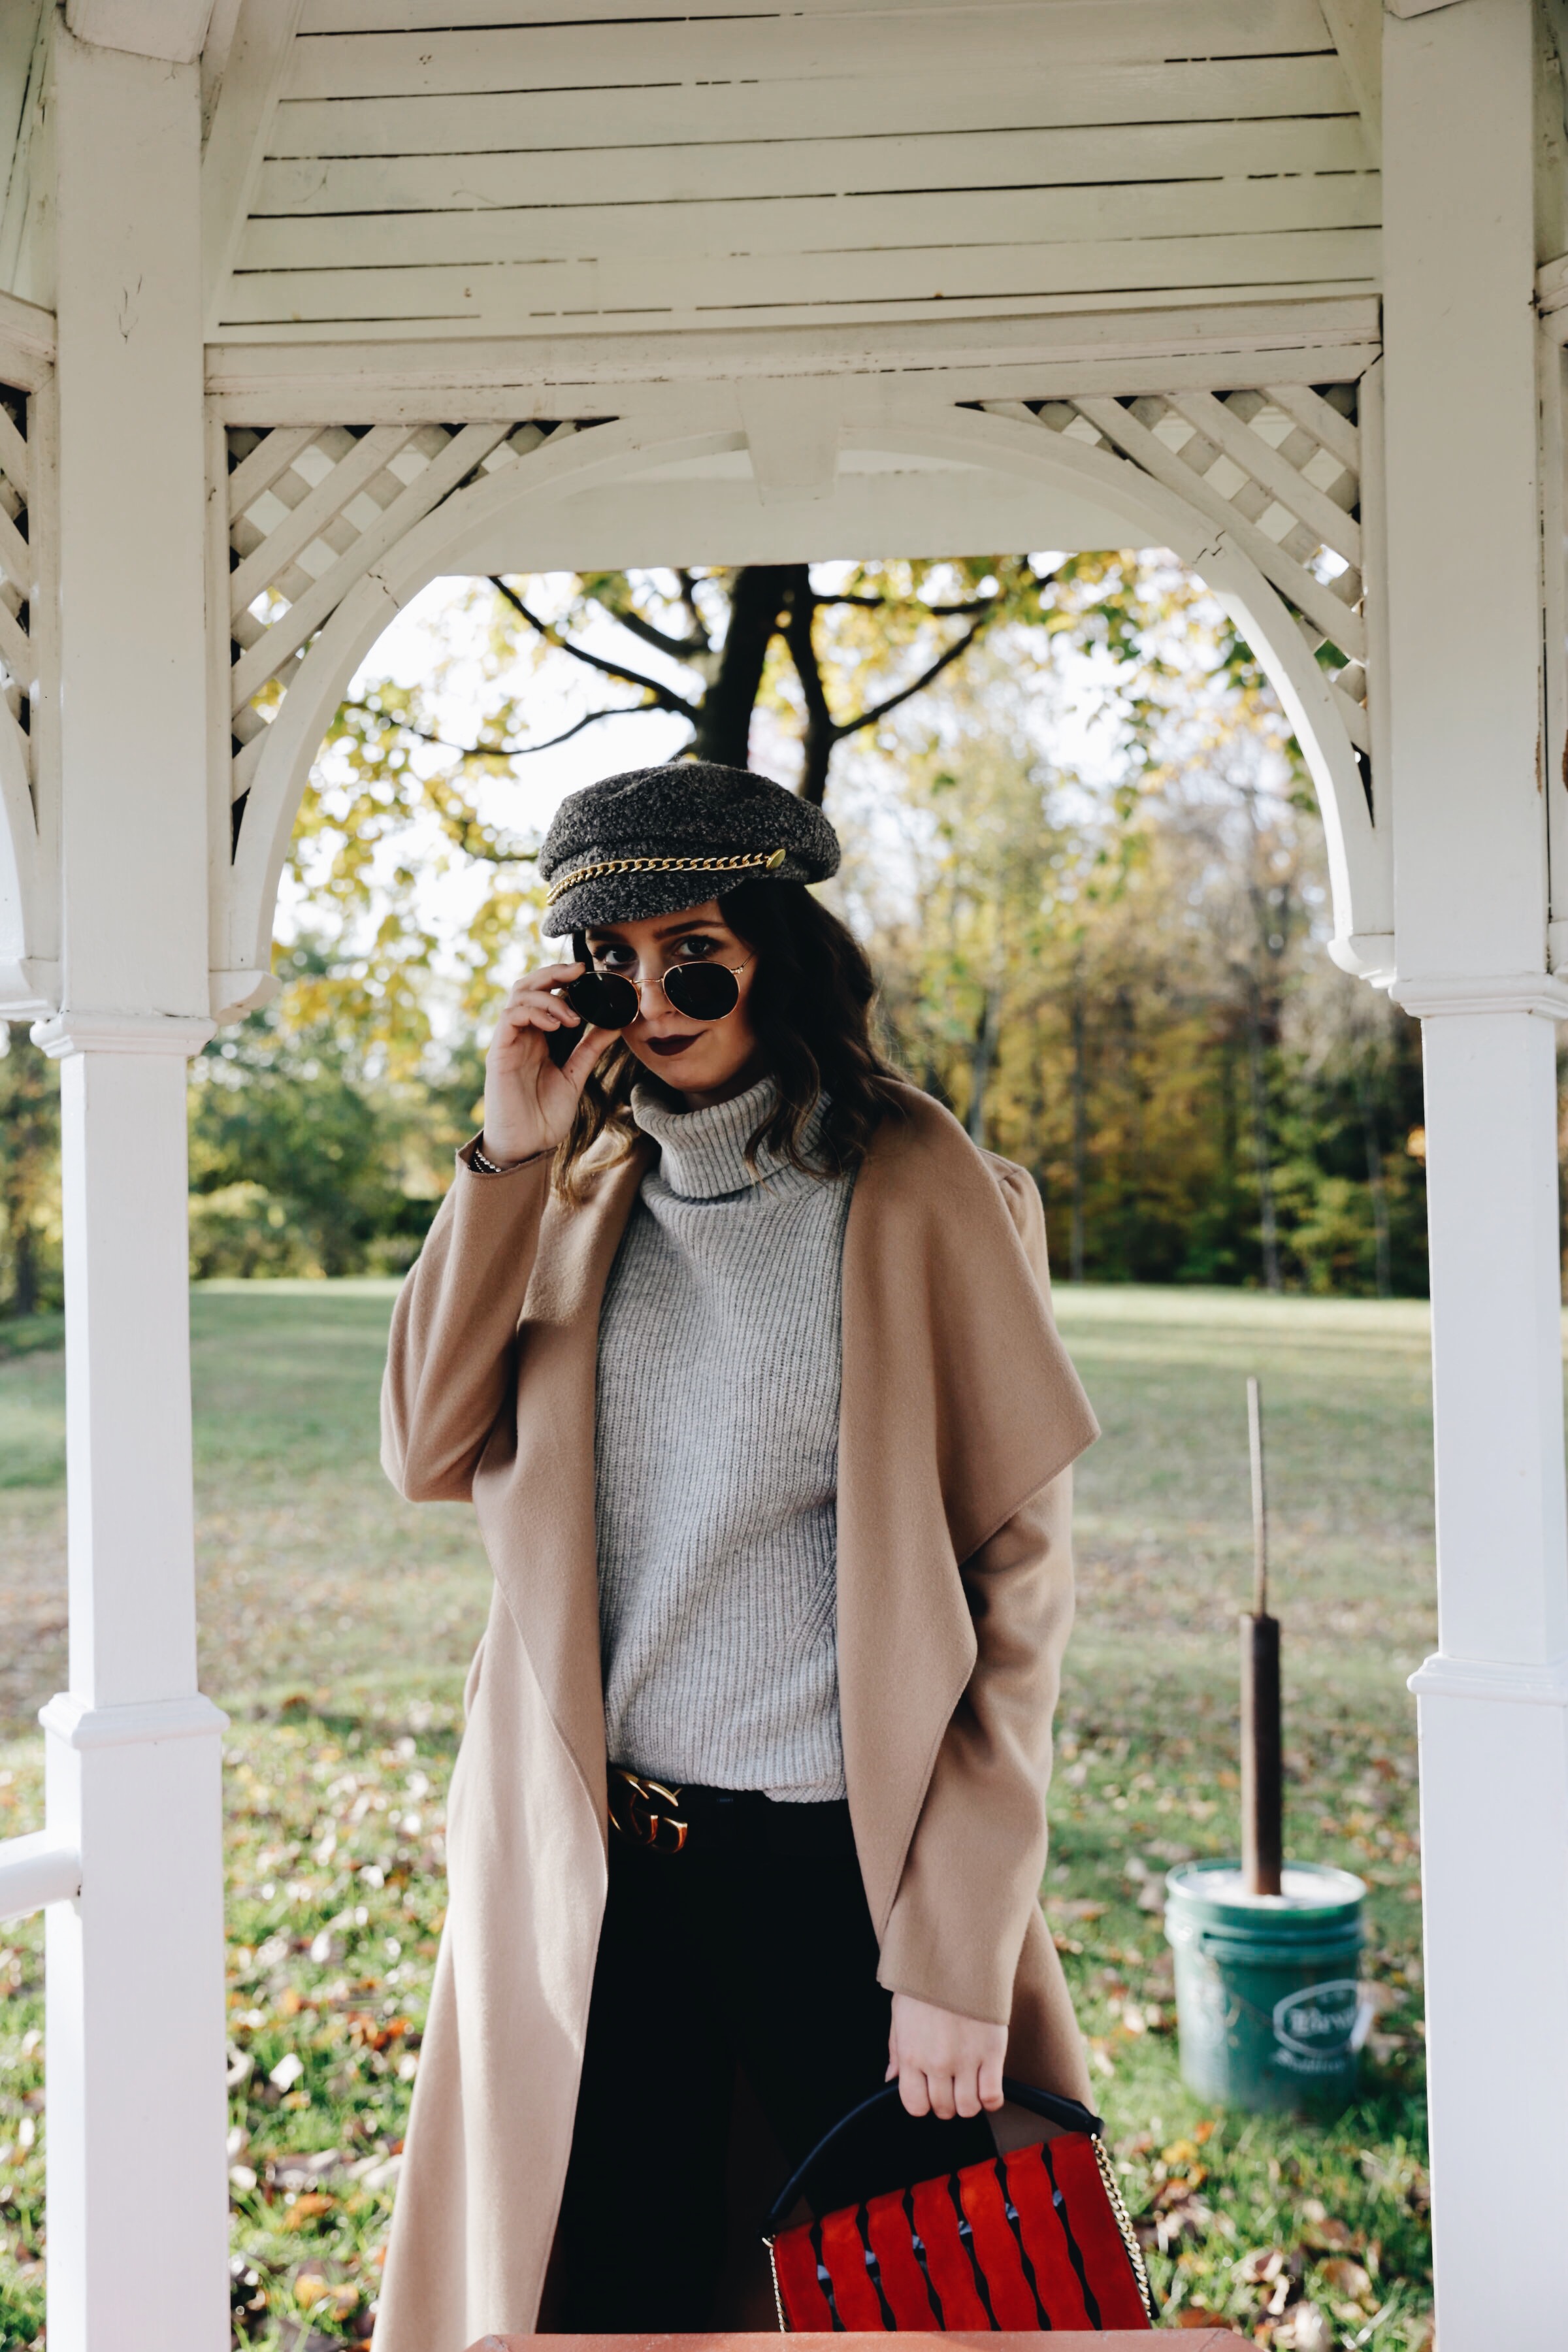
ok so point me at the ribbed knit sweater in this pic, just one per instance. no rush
(717, 1462)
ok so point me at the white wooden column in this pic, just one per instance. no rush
(1470, 901)
(137, 2192)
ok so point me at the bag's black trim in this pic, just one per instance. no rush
(967, 2240)
(1074, 2255)
(874, 2268)
(1069, 2114)
(918, 2243)
(1017, 2228)
(824, 2280)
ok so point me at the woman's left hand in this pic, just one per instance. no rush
(946, 2065)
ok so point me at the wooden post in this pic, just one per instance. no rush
(137, 2193)
(1262, 1777)
(1470, 885)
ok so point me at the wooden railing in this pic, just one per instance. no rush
(35, 1870)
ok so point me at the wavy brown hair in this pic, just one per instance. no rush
(812, 1004)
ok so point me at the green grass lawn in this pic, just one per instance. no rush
(337, 1623)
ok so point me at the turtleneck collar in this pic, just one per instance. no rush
(702, 1153)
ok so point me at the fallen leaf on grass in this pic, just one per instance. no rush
(1323, 2234)
(307, 2208)
(1198, 2314)
(1345, 2277)
(1305, 2329)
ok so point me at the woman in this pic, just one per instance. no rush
(744, 1355)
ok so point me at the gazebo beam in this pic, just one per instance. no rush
(1463, 538)
(174, 30)
(135, 2018)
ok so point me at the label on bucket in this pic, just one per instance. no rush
(1314, 2029)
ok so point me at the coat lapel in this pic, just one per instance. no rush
(548, 1570)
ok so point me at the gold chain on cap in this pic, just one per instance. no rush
(769, 858)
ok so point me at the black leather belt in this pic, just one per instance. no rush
(664, 1819)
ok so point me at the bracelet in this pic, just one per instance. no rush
(483, 1167)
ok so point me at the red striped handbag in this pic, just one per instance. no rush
(1036, 2239)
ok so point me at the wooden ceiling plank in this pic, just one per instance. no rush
(446, 15)
(1269, 88)
(1102, 32)
(746, 171)
(624, 291)
(236, 142)
(1285, 343)
(814, 228)
(664, 348)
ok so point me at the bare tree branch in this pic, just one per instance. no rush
(659, 696)
(955, 652)
(688, 648)
(700, 628)
(901, 604)
(484, 750)
(821, 732)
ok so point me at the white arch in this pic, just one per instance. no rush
(1360, 863)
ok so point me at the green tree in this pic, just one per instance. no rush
(29, 1175)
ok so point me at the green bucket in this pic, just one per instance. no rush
(1267, 2004)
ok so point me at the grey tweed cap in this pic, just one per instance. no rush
(657, 839)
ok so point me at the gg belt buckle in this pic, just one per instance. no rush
(645, 1812)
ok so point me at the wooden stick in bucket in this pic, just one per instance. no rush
(1262, 1778)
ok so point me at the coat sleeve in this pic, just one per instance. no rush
(451, 1356)
(972, 1878)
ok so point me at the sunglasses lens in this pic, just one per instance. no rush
(703, 992)
(604, 1000)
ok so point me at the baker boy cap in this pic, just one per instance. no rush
(657, 839)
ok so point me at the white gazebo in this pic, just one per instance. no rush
(310, 301)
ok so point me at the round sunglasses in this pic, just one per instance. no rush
(605, 1000)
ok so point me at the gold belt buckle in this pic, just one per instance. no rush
(645, 1812)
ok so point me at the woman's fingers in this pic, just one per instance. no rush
(533, 995)
(943, 2094)
(580, 1060)
(947, 2064)
(913, 2093)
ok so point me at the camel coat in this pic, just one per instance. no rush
(961, 1415)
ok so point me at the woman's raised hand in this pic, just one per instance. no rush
(945, 2065)
(528, 1101)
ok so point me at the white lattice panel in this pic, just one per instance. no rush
(311, 510)
(17, 663)
(1281, 471)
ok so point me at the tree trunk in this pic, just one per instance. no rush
(724, 721)
(1376, 1187)
(1268, 1221)
(980, 1059)
(24, 1268)
(820, 732)
(1079, 1128)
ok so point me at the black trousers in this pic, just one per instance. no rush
(750, 1950)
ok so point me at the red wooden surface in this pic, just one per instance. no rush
(1207, 2339)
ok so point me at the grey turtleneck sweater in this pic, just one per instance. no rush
(717, 1463)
